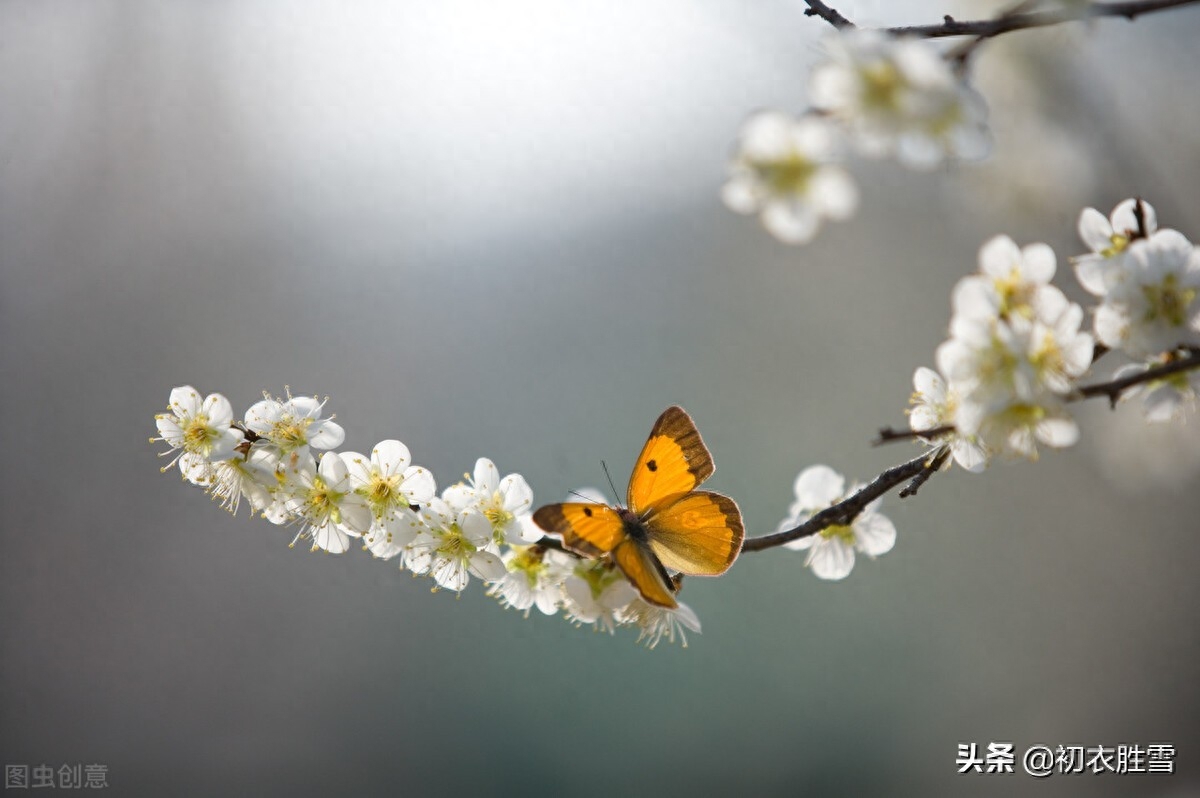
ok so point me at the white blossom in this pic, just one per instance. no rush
(934, 406)
(330, 512)
(455, 545)
(1011, 282)
(785, 171)
(900, 97)
(391, 487)
(831, 551)
(293, 425)
(655, 622)
(1011, 377)
(597, 594)
(1164, 399)
(535, 578)
(1109, 239)
(505, 503)
(199, 427)
(251, 477)
(1154, 305)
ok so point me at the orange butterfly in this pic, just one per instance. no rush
(668, 523)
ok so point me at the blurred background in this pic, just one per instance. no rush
(495, 229)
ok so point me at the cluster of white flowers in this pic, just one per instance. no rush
(1148, 283)
(889, 96)
(1016, 349)
(279, 461)
(1016, 353)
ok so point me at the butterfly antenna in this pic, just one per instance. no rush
(616, 496)
(588, 499)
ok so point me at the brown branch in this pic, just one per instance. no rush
(1139, 213)
(818, 9)
(1114, 388)
(250, 434)
(890, 435)
(937, 459)
(961, 54)
(844, 512)
(1185, 358)
(987, 28)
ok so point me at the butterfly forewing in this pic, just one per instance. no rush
(589, 529)
(700, 534)
(645, 572)
(673, 462)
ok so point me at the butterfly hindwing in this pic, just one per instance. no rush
(646, 573)
(700, 534)
(586, 528)
(673, 462)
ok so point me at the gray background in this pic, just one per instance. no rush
(494, 229)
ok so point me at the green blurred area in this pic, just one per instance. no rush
(496, 231)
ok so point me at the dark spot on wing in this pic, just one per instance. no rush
(653, 466)
(587, 511)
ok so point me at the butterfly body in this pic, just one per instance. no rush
(667, 523)
(635, 527)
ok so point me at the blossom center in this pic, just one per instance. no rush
(1119, 243)
(1024, 415)
(529, 562)
(946, 120)
(998, 364)
(1048, 358)
(881, 85)
(843, 533)
(496, 514)
(1015, 294)
(384, 492)
(290, 434)
(597, 578)
(323, 501)
(789, 175)
(197, 435)
(1168, 300)
(454, 545)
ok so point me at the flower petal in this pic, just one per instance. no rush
(1124, 218)
(929, 384)
(1095, 230)
(487, 566)
(418, 485)
(391, 456)
(819, 486)
(1039, 263)
(874, 534)
(185, 401)
(831, 559)
(999, 256)
(325, 435)
(487, 478)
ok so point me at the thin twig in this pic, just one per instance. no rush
(1112, 389)
(935, 463)
(891, 435)
(918, 470)
(1139, 213)
(845, 511)
(960, 55)
(987, 28)
(546, 542)
(818, 9)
